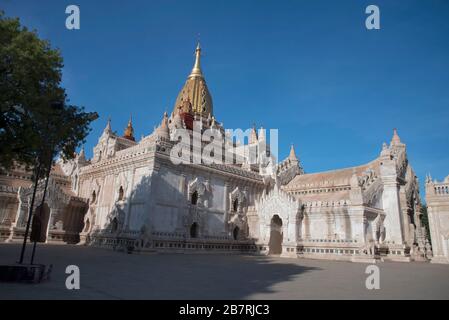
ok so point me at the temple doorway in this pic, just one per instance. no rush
(236, 233)
(114, 225)
(276, 236)
(40, 223)
(194, 230)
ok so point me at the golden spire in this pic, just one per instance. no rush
(129, 131)
(196, 71)
(195, 91)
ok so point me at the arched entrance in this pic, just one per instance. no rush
(121, 193)
(194, 230)
(114, 225)
(235, 233)
(276, 235)
(194, 198)
(40, 223)
(235, 205)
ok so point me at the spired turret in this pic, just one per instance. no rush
(195, 91)
(163, 131)
(108, 128)
(292, 156)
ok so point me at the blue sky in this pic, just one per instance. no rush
(309, 68)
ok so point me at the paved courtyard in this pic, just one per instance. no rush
(107, 274)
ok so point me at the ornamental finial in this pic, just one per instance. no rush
(196, 71)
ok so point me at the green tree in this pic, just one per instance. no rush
(30, 77)
(425, 220)
(36, 121)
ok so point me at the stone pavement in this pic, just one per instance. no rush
(106, 274)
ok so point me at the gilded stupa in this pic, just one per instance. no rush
(129, 131)
(195, 91)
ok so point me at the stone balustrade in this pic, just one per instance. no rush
(442, 189)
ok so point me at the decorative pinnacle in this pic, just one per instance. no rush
(395, 140)
(108, 125)
(196, 71)
(292, 155)
(129, 131)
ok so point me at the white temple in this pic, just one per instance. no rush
(131, 196)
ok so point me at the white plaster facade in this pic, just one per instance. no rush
(131, 196)
(62, 219)
(437, 198)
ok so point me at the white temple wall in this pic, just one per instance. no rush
(318, 226)
(171, 200)
(218, 201)
(165, 218)
(393, 221)
(333, 223)
(356, 214)
(343, 227)
(136, 216)
(138, 198)
(214, 224)
(167, 187)
(101, 216)
(253, 225)
(437, 196)
(106, 196)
